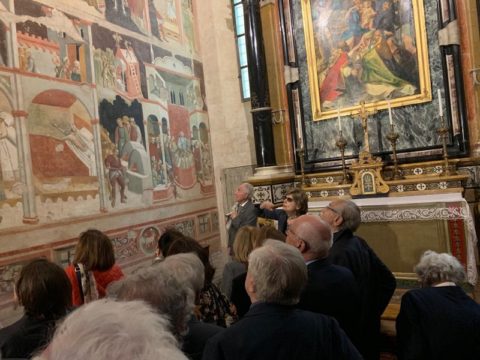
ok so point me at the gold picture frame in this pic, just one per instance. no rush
(362, 59)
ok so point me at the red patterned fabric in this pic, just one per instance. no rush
(102, 278)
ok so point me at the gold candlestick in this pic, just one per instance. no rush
(341, 143)
(443, 133)
(392, 136)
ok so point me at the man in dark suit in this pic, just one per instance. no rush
(244, 212)
(274, 328)
(331, 289)
(375, 281)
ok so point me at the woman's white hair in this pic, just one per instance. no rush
(157, 287)
(187, 269)
(110, 330)
(435, 268)
(278, 271)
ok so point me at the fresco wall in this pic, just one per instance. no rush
(102, 114)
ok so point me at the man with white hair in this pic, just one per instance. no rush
(273, 328)
(375, 281)
(331, 289)
(110, 330)
(244, 212)
(439, 321)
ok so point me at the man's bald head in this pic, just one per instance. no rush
(315, 233)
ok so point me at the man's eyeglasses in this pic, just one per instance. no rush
(332, 209)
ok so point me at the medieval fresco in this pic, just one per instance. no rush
(107, 110)
(10, 185)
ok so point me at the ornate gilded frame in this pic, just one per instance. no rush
(424, 94)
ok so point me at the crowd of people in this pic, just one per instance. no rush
(308, 289)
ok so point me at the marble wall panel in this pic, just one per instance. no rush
(416, 124)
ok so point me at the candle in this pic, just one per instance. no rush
(339, 123)
(390, 113)
(299, 131)
(440, 108)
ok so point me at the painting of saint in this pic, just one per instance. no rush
(8, 148)
(362, 50)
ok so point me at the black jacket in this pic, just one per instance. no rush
(280, 332)
(440, 323)
(25, 337)
(375, 281)
(332, 290)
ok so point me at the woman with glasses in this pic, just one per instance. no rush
(294, 205)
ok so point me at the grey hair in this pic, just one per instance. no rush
(187, 269)
(435, 268)
(278, 271)
(157, 287)
(351, 215)
(248, 189)
(110, 330)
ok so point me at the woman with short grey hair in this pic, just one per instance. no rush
(438, 321)
(188, 269)
(160, 289)
(435, 268)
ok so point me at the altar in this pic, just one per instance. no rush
(400, 229)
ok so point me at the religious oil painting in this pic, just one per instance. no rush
(365, 51)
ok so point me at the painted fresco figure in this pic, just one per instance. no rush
(182, 151)
(2, 188)
(108, 66)
(167, 148)
(135, 133)
(121, 136)
(197, 158)
(116, 174)
(161, 29)
(30, 62)
(75, 74)
(61, 67)
(171, 10)
(8, 147)
(207, 166)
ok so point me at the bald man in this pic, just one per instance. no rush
(330, 289)
(375, 281)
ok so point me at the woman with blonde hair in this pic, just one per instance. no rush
(93, 267)
(243, 245)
